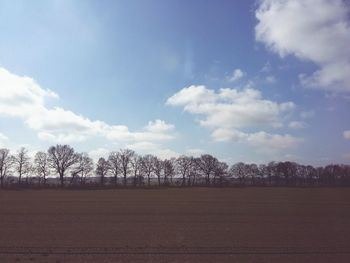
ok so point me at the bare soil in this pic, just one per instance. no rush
(176, 225)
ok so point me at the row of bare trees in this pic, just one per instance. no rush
(62, 165)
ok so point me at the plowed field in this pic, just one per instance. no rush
(176, 225)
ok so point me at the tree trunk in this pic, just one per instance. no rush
(61, 179)
(124, 178)
(140, 179)
(135, 179)
(208, 179)
(194, 180)
(116, 180)
(72, 179)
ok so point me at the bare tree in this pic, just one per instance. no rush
(125, 156)
(194, 171)
(102, 169)
(183, 165)
(286, 170)
(252, 171)
(207, 164)
(83, 168)
(311, 174)
(263, 173)
(158, 167)
(30, 174)
(5, 164)
(115, 165)
(220, 171)
(61, 158)
(169, 170)
(238, 170)
(41, 163)
(22, 163)
(271, 172)
(147, 166)
(136, 163)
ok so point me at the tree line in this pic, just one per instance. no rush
(62, 166)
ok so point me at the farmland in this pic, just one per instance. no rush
(276, 224)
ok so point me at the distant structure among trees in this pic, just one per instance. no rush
(61, 166)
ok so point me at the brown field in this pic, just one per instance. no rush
(176, 225)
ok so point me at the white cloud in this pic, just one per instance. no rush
(3, 137)
(263, 141)
(194, 152)
(65, 126)
(237, 74)
(98, 153)
(296, 125)
(266, 141)
(159, 126)
(122, 133)
(22, 97)
(228, 110)
(152, 148)
(313, 30)
(346, 134)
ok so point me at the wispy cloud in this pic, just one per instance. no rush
(236, 75)
(296, 125)
(307, 114)
(270, 79)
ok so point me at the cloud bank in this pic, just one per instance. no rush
(23, 98)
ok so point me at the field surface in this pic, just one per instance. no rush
(176, 225)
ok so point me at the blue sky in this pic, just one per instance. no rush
(242, 80)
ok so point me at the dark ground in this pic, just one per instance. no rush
(176, 225)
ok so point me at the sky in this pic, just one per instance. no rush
(250, 81)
